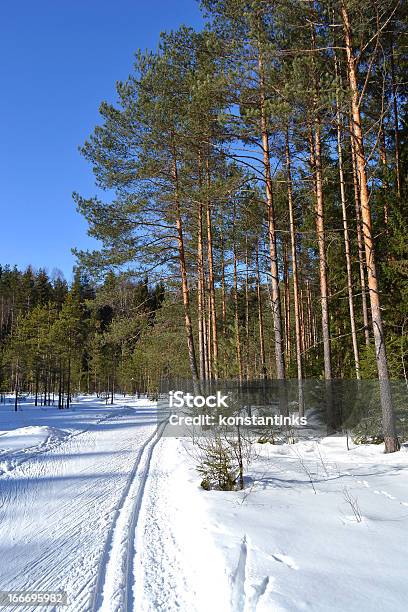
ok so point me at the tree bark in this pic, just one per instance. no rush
(69, 383)
(384, 181)
(210, 363)
(183, 273)
(37, 376)
(260, 317)
(286, 300)
(315, 151)
(360, 246)
(211, 283)
(16, 390)
(346, 239)
(295, 277)
(200, 283)
(389, 429)
(246, 310)
(396, 132)
(223, 292)
(276, 305)
(236, 312)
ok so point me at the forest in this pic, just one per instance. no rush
(251, 210)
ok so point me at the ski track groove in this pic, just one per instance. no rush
(68, 536)
(97, 599)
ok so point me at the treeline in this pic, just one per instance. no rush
(260, 166)
(58, 340)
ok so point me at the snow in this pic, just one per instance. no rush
(60, 501)
(95, 502)
(280, 545)
(22, 443)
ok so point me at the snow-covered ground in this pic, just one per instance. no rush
(94, 502)
(289, 542)
(69, 486)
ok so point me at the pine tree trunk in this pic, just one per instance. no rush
(207, 374)
(286, 299)
(69, 383)
(45, 383)
(316, 159)
(37, 376)
(347, 241)
(16, 390)
(295, 277)
(211, 283)
(183, 274)
(309, 315)
(396, 132)
(246, 310)
(210, 362)
(390, 435)
(200, 283)
(383, 158)
(236, 314)
(276, 305)
(315, 150)
(260, 317)
(60, 386)
(360, 246)
(223, 291)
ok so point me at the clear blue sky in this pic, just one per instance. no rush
(59, 60)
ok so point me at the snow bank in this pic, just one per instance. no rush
(22, 443)
(25, 438)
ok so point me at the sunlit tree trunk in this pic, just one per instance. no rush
(236, 316)
(390, 436)
(246, 310)
(360, 245)
(260, 317)
(183, 274)
(276, 305)
(315, 152)
(295, 276)
(286, 300)
(211, 284)
(346, 239)
(200, 283)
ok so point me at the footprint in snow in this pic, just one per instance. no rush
(241, 601)
(259, 591)
(388, 495)
(238, 579)
(364, 482)
(286, 560)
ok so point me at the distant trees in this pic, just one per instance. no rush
(80, 340)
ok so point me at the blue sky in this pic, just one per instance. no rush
(60, 59)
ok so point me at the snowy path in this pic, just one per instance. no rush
(113, 589)
(64, 511)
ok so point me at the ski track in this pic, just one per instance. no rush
(113, 589)
(58, 504)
